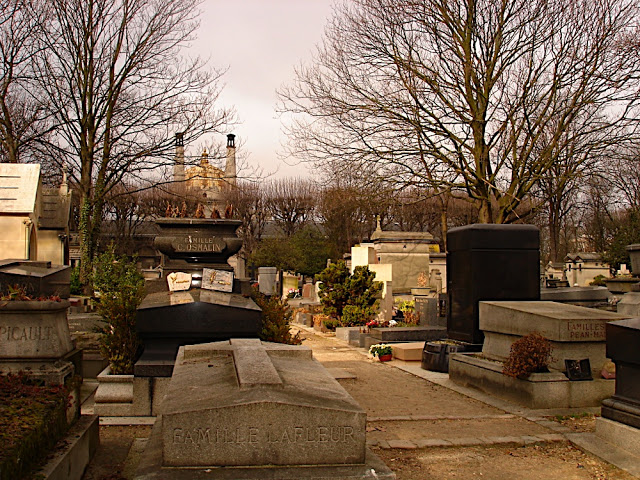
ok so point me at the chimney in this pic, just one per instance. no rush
(230, 173)
(178, 168)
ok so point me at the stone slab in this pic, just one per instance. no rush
(166, 321)
(619, 434)
(629, 304)
(575, 332)
(407, 334)
(609, 452)
(582, 295)
(538, 391)
(556, 321)
(348, 334)
(216, 414)
(408, 351)
(151, 468)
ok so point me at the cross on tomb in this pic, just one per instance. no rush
(253, 365)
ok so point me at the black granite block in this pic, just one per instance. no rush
(489, 262)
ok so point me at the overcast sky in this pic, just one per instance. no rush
(260, 41)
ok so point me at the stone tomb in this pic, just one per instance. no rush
(247, 409)
(575, 332)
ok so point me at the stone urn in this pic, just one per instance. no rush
(198, 240)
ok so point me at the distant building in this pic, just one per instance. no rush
(206, 183)
(34, 220)
(582, 268)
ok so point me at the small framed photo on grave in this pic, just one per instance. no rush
(578, 369)
(219, 280)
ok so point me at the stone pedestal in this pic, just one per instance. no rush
(623, 340)
(35, 338)
(191, 244)
(38, 278)
(248, 409)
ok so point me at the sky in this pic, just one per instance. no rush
(260, 42)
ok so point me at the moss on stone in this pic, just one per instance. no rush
(32, 420)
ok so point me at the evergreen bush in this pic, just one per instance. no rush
(358, 292)
(275, 317)
(121, 289)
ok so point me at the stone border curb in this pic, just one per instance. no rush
(73, 452)
(466, 441)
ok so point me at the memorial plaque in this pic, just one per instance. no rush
(179, 281)
(198, 243)
(578, 369)
(218, 280)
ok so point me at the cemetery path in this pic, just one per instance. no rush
(426, 431)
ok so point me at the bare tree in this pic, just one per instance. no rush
(249, 205)
(291, 203)
(479, 96)
(120, 88)
(24, 116)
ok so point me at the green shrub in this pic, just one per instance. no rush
(121, 289)
(530, 354)
(331, 324)
(355, 315)
(276, 316)
(76, 285)
(598, 281)
(340, 289)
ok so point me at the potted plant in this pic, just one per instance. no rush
(383, 351)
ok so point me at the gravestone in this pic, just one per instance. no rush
(488, 262)
(267, 280)
(245, 409)
(307, 291)
(34, 334)
(166, 320)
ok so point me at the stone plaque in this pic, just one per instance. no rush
(219, 280)
(198, 243)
